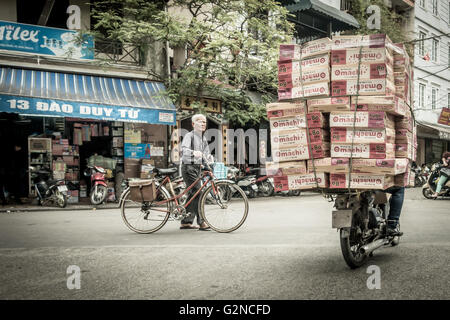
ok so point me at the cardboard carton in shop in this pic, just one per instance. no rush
(319, 150)
(390, 104)
(315, 120)
(293, 66)
(362, 135)
(290, 80)
(361, 181)
(368, 55)
(329, 165)
(381, 166)
(294, 138)
(366, 87)
(285, 109)
(311, 90)
(363, 150)
(354, 41)
(303, 181)
(366, 72)
(285, 168)
(329, 104)
(363, 119)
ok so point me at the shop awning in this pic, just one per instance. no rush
(436, 131)
(314, 16)
(57, 94)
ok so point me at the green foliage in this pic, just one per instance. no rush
(232, 45)
(391, 22)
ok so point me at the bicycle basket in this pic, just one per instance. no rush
(142, 190)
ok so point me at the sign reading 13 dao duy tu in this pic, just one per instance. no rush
(44, 40)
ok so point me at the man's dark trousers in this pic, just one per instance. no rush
(190, 173)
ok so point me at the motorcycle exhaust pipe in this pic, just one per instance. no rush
(368, 248)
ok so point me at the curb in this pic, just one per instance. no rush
(68, 208)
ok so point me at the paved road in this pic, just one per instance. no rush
(285, 250)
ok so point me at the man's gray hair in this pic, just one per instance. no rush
(195, 117)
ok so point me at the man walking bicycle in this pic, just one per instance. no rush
(194, 152)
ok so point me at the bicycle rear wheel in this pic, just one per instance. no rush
(224, 213)
(146, 217)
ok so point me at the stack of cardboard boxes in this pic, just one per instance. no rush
(316, 140)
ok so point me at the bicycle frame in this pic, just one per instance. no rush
(176, 197)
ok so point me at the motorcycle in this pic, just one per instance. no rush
(48, 190)
(246, 183)
(265, 183)
(362, 221)
(430, 187)
(99, 188)
(418, 178)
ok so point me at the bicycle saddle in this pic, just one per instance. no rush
(166, 172)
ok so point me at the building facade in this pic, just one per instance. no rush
(89, 101)
(431, 75)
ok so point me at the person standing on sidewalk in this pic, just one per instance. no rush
(194, 152)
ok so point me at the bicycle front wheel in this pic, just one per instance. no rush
(146, 217)
(224, 213)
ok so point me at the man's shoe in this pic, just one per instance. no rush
(394, 231)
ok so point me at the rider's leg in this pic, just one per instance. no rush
(395, 205)
(440, 184)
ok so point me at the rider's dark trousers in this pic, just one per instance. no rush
(395, 205)
(190, 173)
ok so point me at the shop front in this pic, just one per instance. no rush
(64, 121)
(432, 141)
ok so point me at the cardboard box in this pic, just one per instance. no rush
(285, 109)
(363, 150)
(290, 80)
(319, 150)
(312, 90)
(404, 150)
(363, 119)
(293, 66)
(294, 138)
(366, 87)
(404, 136)
(334, 165)
(315, 120)
(404, 123)
(390, 104)
(329, 104)
(366, 72)
(285, 168)
(299, 182)
(368, 55)
(405, 179)
(361, 181)
(381, 166)
(316, 47)
(362, 135)
(355, 41)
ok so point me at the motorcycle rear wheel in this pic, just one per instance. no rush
(350, 246)
(265, 189)
(60, 199)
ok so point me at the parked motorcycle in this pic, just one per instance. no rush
(418, 179)
(265, 183)
(430, 187)
(246, 183)
(362, 221)
(49, 190)
(99, 187)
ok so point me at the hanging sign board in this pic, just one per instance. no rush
(444, 118)
(44, 40)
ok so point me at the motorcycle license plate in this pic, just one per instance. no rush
(62, 189)
(254, 187)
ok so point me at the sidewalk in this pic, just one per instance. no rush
(74, 207)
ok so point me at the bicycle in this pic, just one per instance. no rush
(165, 205)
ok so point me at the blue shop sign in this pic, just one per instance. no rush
(137, 150)
(44, 40)
(73, 109)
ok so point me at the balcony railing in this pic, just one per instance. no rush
(118, 52)
(345, 5)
